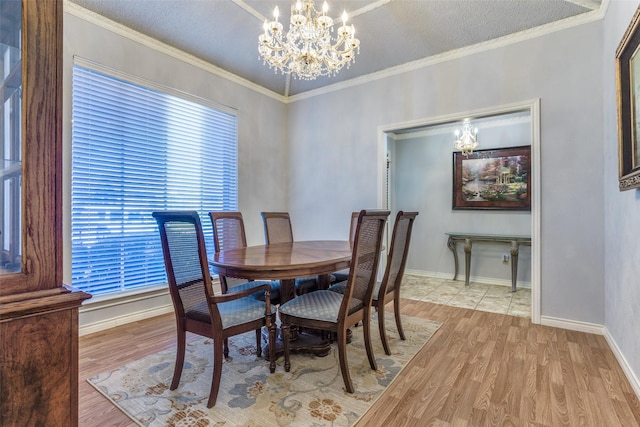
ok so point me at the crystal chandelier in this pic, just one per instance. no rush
(466, 139)
(307, 51)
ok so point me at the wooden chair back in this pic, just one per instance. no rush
(277, 227)
(228, 233)
(354, 225)
(228, 230)
(185, 260)
(397, 257)
(364, 262)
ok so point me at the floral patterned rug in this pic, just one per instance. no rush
(312, 394)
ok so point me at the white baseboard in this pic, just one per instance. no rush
(593, 328)
(626, 368)
(572, 325)
(477, 279)
(124, 319)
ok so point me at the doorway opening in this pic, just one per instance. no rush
(416, 173)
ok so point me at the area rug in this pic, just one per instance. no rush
(311, 394)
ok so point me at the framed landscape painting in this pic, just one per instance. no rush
(628, 97)
(493, 179)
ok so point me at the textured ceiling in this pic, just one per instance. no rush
(392, 32)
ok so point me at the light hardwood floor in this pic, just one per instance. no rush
(479, 369)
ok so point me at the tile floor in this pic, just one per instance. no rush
(477, 296)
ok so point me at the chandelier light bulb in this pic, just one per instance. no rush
(466, 139)
(308, 50)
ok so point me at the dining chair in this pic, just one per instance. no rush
(196, 308)
(388, 289)
(342, 275)
(278, 229)
(229, 233)
(330, 311)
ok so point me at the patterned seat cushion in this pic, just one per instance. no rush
(317, 305)
(275, 289)
(233, 313)
(341, 286)
(340, 276)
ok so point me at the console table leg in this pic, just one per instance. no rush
(467, 261)
(451, 244)
(514, 264)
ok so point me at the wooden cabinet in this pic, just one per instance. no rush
(38, 315)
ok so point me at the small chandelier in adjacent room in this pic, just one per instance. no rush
(307, 50)
(467, 138)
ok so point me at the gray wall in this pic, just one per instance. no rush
(334, 162)
(622, 210)
(422, 180)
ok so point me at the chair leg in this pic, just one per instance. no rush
(285, 342)
(396, 309)
(382, 329)
(226, 348)
(272, 347)
(177, 370)
(217, 372)
(367, 340)
(342, 354)
(259, 342)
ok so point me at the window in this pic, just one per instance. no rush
(11, 142)
(137, 148)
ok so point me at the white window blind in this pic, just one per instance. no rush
(136, 150)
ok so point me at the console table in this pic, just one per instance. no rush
(469, 238)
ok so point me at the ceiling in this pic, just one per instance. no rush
(394, 34)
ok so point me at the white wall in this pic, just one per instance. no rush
(334, 161)
(422, 180)
(622, 212)
(262, 135)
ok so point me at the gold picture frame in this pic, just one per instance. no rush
(628, 100)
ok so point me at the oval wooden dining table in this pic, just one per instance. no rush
(286, 262)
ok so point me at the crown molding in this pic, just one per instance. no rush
(529, 34)
(494, 121)
(121, 30)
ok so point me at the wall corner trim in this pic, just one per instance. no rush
(626, 368)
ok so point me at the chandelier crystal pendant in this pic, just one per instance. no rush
(307, 50)
(466, 139)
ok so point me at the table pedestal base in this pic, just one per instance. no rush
(306, 341)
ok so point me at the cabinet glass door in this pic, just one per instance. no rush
(11, 137)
